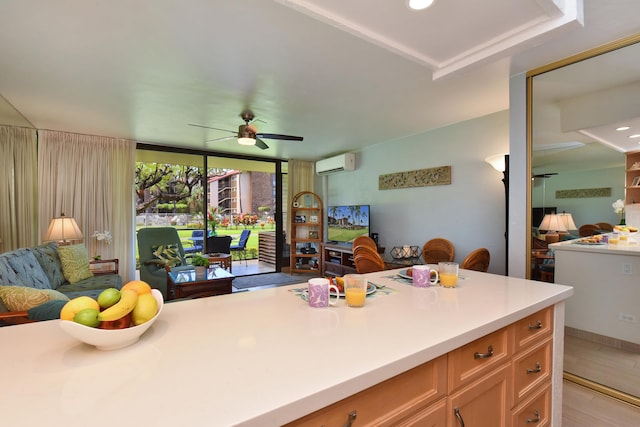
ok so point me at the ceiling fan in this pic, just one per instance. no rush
(247, 134)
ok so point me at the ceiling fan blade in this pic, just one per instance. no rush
(224, 138)
(209, 127)
(260, 144)
(277, 136)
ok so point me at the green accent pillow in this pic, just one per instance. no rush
(168, 254)
(75, 263)
(48, 311)
(22, 298)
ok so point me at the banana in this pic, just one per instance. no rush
(128, 301)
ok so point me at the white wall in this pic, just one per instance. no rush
(470, 212)
(586, 210)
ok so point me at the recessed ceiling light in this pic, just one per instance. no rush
(621, 128)
(419, 4)
(636, 135)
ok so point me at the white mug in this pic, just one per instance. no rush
(422, 276)
(318, 293)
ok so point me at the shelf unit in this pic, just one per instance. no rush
(306, 233)
(632, 175)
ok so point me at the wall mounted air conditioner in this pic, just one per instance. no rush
(343, 162)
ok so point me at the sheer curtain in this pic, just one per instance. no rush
(300, 179)
(90, 178)
(18, 188)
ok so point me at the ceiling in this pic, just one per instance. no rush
(342, 74)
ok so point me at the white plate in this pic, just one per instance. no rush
(403, 274)
(370, 289)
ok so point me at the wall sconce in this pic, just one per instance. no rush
(500, 162)
(63, 229)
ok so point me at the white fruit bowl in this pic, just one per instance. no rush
(111, 339)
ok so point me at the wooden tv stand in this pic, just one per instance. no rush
(337, 259)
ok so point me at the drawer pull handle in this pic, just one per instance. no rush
(535, 370)
(458, 416)
(535, 420)
(538, 325)
(486, 355)
(352, 417)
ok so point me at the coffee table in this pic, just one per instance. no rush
(186, 283)
(221, 259)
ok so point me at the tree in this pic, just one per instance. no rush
(165, 183)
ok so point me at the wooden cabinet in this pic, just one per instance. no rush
(502, 379)
(405, 399)
(306, 233)
(633, 178)
(338, 260)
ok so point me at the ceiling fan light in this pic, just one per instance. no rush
(246, 141)
(419, 4)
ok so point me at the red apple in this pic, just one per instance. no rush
(121, 323)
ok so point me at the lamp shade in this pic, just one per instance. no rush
(552, 222)
(63, 229)
(497, 162)
(567, 220)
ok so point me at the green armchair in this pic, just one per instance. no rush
(160, 251)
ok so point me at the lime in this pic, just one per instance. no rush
(108, 297)
(87, 317)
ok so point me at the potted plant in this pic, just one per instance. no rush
(200, 263)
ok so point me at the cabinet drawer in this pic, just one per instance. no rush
(434, 415)
(389, 402)
(532, 368)
(534, 411)
(478, 357)
(533, 328)
(333, 269)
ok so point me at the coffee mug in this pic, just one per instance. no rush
(319, 293)
(422, 276)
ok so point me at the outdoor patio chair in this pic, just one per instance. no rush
(241, 246)
(197, 242)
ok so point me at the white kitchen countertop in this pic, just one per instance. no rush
(258, 358)
(623, 247)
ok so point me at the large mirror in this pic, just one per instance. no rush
(578, 163)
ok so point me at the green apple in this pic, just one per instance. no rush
(108, 297)
(87, 317)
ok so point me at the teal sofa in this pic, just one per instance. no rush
(40, 268)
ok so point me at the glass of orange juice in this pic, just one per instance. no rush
(448, 272)
(355, 289)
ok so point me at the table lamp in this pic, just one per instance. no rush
(552, 224)
(63, 229)
(567, 220)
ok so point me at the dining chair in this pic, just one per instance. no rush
(605, 226)
(367, 263)
(365, 249)
(477, 260)
(364, 240)
(438, 250)
(588, 230)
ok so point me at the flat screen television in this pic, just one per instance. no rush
(346, 222)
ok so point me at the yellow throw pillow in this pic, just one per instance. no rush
(75, 263)
(22, 298)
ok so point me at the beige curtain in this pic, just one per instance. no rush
(300, 178)
(91, 179)
(18, 191)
